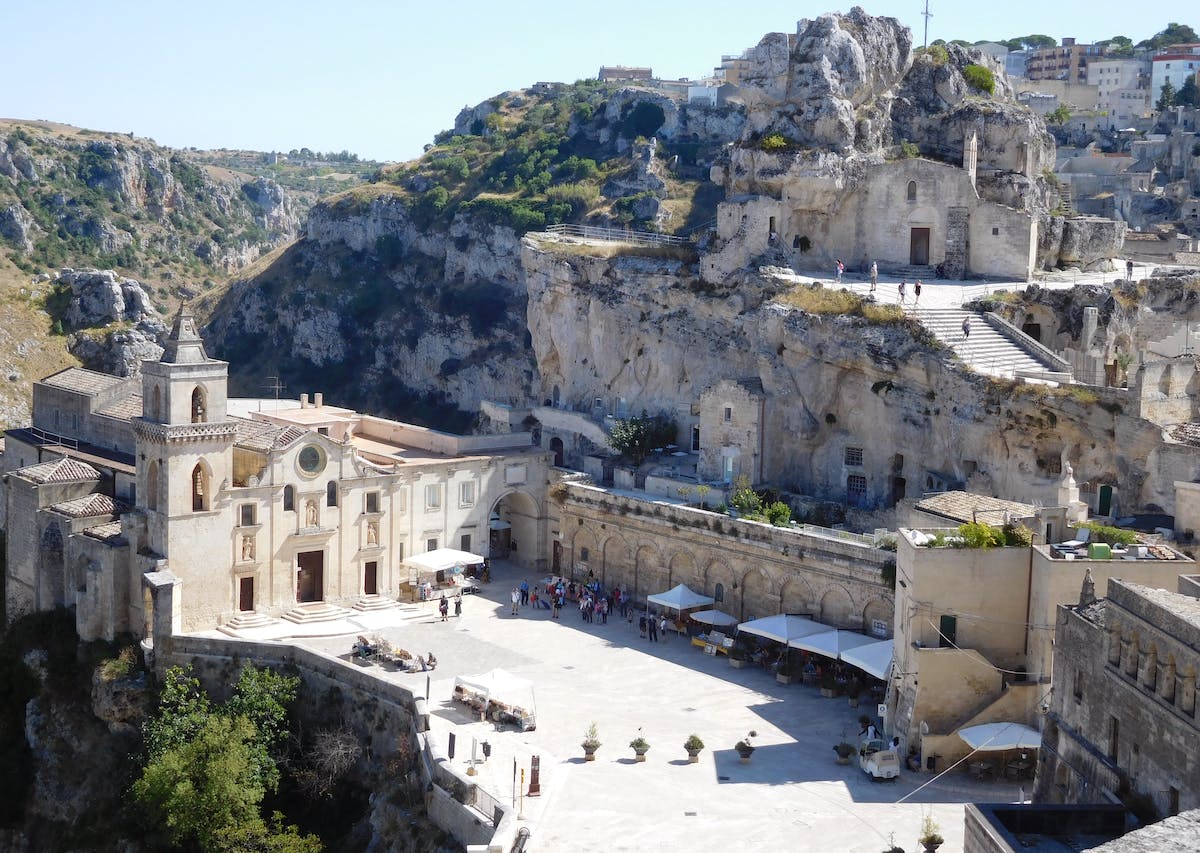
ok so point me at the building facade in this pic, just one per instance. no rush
(1122, 722)
(1069, 61)
(299, 509)
(1176, 66)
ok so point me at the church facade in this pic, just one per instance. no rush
(161, 500)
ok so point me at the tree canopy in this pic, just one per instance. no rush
(636, 437)
(1173, 34)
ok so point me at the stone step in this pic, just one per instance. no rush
(243, 621)
(316, 611)
(376, 602)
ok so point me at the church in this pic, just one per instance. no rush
(157, 503)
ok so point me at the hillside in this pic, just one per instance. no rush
(179, 222)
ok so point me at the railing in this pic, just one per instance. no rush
(618, 235)
(487, 804)
(54, 438)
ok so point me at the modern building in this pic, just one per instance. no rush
(1123, 89)
(1176, 65)
(1122, 722)
(1069, 61)
(160, 498)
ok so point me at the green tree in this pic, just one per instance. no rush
(1166, 98)
(1118, 46)
(636, 437)
(1060, 115)
(1189, 93)
(183, 709)
(744, 499)
(1172, 34)
(979, 78)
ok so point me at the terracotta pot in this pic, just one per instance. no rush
(783, 679)
(736, 664)
(693, 756)
(640, 757)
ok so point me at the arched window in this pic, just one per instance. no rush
(719, 592)
(331, 494)
(199, 406)
(156, 404)
(912, 190)
(289, 499)
(152, 486)
(200, 496)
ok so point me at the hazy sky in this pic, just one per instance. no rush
(381, 78)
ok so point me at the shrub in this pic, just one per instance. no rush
(980, 78)
(979, 535)
(693, 743)
(909, 150)
(580, 196)
(1110, 535)
(936, 53)
(773, 142)
(120, 666)
(516, 214)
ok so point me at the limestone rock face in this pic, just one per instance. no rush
(123, 703)
(1088, 243)
(17, 226)
(16, 160)
(101, 296)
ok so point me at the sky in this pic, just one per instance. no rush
(381, 77)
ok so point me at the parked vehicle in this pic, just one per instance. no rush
(877, 761)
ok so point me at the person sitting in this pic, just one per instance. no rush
(431, 661)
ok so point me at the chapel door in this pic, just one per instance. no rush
(246, 594)
(371, 578)
(918, 247)
(1105, 505)
(310, 576)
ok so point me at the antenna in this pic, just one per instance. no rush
(927, 15)
(275, 385)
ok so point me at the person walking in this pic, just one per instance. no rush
(917, 292)
(558, 603)
(903, 286)
(458, 605)
(841, 268)
(652, 627)
(966, 328)
(515, 595)
(874, 275)
(1129, 270)
(524, 592)
(444, 607)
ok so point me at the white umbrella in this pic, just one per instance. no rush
(994, 737)
(714, 617)
(832, 644)
(873, 659)
(782, 628)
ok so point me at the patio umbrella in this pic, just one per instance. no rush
(831, 644)
(997, 737)
(874, 659)
(782, 628)
(714, 617)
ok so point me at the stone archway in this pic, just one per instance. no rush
(797, 597)
(758, 598)
(585, 552)
(878, 611)
(837, 608)
(648, 571)
(615, 564)
(514, 530)
(682, 569)
(719, 573)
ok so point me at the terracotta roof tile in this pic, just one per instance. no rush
(82, 380)
(60, 471)
(90, 506)
(108, 533)
(966, 506)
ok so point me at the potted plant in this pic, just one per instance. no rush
(930, 838)
(844, 749)
(745, 746)
(853, 691)
(738, 654)
(591, 743)
(784, 674)
(693, 745)
(640, 747)
(828, 685)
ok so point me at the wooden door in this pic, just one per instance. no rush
(371, 578)
(310, 576)
(246, 594)
(918, 248)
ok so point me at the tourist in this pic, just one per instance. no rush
(662, 627)
(444, 607)
(966, 328)
(841, 268)
(524, 592)
(1129, 270)
(641, 625)
(917, 292)
(874, 275)
(557, 605)
(902, 287)
(515, 595)
(652, 627)
(458, 605)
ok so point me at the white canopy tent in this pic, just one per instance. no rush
(995, 737)
(782, 628)
(443, 559)
(500, 685)
(679, 598)
(716, 618)
(873, 658)
(832, 644)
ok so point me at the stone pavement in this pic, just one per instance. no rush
(792, 796)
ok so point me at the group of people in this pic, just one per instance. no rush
(444, 606)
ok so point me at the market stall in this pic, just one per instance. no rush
(681, 599)
(500, 696)
(441, 570)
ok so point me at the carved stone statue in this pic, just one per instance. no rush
(310, 514)
(247, 547)
(372, 533)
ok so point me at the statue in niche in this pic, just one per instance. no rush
(247, 547)
(372, 533)
(310, 514)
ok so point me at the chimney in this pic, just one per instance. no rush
(304, 401)
(318, 399)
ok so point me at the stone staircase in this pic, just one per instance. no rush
(243, 621)
(381, 602)
(912, 272)
(986, 351)
(315, 611)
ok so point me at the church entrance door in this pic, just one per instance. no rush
(918, 247)
(310, 576)
(371, 578)
(246, 594)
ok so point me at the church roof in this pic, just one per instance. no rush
(127, 408)
(109, 533)
(90, 506)
(82, 380)
(967, 506)
(59, 471)
(264, 437)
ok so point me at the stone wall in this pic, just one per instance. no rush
(648, 546)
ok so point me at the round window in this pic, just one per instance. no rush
(311, 460)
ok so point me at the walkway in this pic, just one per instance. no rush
(985, 350)
(791, 796)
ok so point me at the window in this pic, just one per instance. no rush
(247, 517)
(400, 551)
(947, 631)
(583, 555)
(728, 414)
(912, 190)
(695, 439)
(854, 456)
(152, 486)
(430, 544)
(156, 404)
(856, 490)
(199, 488)
(371, 502)
(995, 232)
(322, 430)
(719, 593)
(199, 406)
(466, 494)
(464, 542)
(331, 495)
(433, 498)
(289, 499)
(1114, 737)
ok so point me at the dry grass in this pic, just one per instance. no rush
(815, 299)
(606, 249)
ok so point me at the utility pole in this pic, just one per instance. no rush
(927, 14)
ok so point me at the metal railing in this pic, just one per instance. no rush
(618, 235)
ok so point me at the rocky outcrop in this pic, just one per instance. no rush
(1085, 242)
(99, 297)
(17, 227)
(112, 323)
